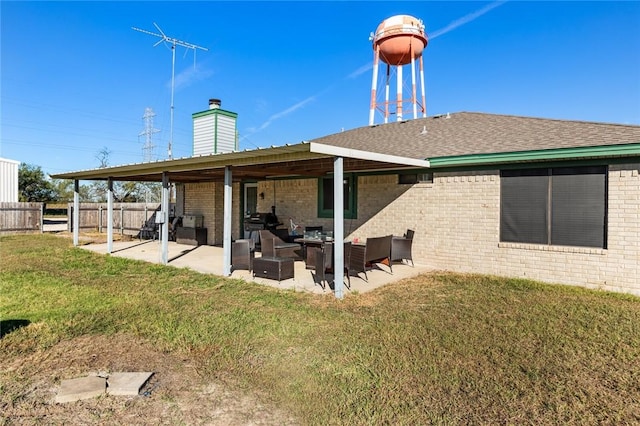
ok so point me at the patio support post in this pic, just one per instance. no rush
(76, 212)
(109, 215)
(338, 225)
(226, 235)
(164, 212)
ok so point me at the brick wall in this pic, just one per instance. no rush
(457, 224)
(465, 235)
(207, 199)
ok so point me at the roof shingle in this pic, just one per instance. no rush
(466, 133)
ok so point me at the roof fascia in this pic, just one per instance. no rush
(6, 160)
(248, 157)
(216, 111)
(337, 151)
(626, 150)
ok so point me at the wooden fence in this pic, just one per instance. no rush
(21, 217)
(128, 218)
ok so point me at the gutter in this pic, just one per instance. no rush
(603, 151)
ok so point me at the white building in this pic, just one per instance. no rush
(9, 180)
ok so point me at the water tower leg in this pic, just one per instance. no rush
(424, 102)
(399, 94)
(374, 86)
(414, 98)
(386, 95)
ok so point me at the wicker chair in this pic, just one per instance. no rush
(401, 247)
(242, 254)
(347, 262)
(376, 250)
(149, 230)
(319, 228)
(272, 245)
(323, 261)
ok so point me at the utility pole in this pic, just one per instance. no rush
(148, 147)
(173, 42)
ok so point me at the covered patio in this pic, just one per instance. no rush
(209, 260)
(306, 159)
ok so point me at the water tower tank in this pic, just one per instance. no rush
(399, 38)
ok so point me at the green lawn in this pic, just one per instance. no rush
(440, 348)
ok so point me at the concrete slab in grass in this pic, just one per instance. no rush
(83, 388)
(126, 383)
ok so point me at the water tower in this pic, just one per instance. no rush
(398, 41)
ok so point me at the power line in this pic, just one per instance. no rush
(22, 142)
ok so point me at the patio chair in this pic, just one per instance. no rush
(401, 247)
(323, 258)
(313, 228)
(379, 251)
(283, 234)
(347, 260)
(173, 227)
(149, 230)
(356, 261)
(375, 250)
(242, 254)
(272, 245)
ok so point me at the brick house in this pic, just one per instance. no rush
(552, 200)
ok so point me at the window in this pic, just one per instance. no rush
(411, 178)
(325, 196)
(556, 206)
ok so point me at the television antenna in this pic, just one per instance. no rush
(173, 42)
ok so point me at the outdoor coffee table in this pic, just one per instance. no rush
(273, 268)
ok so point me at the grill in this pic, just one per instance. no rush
(260, 221)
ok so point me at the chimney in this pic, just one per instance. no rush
(214, 103)
(214, 130)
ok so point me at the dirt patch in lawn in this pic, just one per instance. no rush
(175, 394)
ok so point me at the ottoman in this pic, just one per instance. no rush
(273, 268)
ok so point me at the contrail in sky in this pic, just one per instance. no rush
(465, 19)
(277, 116)
(286, 112)
(360, 70)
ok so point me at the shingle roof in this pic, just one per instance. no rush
(465, 133)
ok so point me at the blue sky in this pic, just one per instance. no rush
(75, 78)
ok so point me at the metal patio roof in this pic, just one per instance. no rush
(306, 159)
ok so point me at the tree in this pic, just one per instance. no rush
(64, 190)
(123, 192)
(33, 185)
(103, 157)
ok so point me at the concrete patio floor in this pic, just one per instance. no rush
(208, 260)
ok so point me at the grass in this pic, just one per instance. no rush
(441, 348)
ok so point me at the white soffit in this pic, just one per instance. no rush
(365, 155)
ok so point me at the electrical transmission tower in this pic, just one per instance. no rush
(148, 147)
(173, 42)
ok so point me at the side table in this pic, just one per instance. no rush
(273, 268)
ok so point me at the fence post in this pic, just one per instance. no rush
(100, 219)
(121, 219)
(41, 218)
